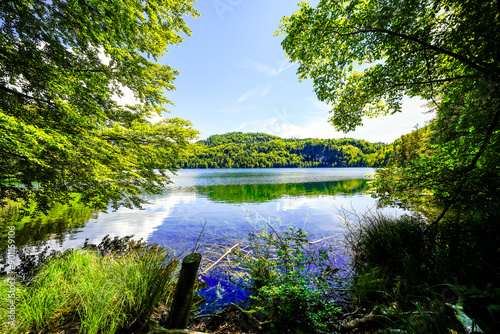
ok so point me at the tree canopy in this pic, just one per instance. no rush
(64, 65)
(260, 150)
(366, 55)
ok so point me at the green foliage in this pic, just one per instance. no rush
(259, 150)
(63, 65)
(441, 51)
(238, 138)
(427, 175)
(99, 293)
(291, 281)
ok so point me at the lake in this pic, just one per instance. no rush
(228, 204)
(207, 209)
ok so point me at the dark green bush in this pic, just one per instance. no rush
(393, 257)
(403, 245)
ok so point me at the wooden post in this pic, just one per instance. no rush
(178, 317)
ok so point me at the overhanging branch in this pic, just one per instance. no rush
(427, 45)
(19, 94)
(432, 81)
(472, 165)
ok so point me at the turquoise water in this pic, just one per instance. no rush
(227, 204)
(205, 209)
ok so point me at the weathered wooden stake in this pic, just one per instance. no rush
(178, 317)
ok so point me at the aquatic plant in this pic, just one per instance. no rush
(292, 280)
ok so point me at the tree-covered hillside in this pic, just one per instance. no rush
(259, 150)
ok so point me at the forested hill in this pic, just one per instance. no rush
(238, 138)
(260, 150)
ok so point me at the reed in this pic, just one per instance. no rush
(95, 293)
(393, 257)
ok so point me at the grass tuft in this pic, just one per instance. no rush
(101, 294)
(393, 257)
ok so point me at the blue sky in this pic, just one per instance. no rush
(234, 76)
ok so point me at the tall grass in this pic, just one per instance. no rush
(391, 256)
(397, 274)
(98, 294)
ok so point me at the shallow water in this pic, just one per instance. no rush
(230, 203)
(204, 209)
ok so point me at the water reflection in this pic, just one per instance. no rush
(203, 208)
(231, 202)
(259, 193)
(59, 223)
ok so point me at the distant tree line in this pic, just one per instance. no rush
(259, 150)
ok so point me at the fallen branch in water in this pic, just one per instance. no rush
(221, 258)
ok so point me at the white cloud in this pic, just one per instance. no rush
(241, 127)
(103, 57)
(383, 129)
(126, 98)
(319, 129)
(266, 69)
(389, 128)
(146, 221)
(257, 92)
(246, 95)
(274, 126)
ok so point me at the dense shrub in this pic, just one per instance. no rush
(404, 266)
(404, 245)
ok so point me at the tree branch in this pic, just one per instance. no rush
(13, 154)
(472, 165)
(15, 92)
(427, 45)
(432, 81)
